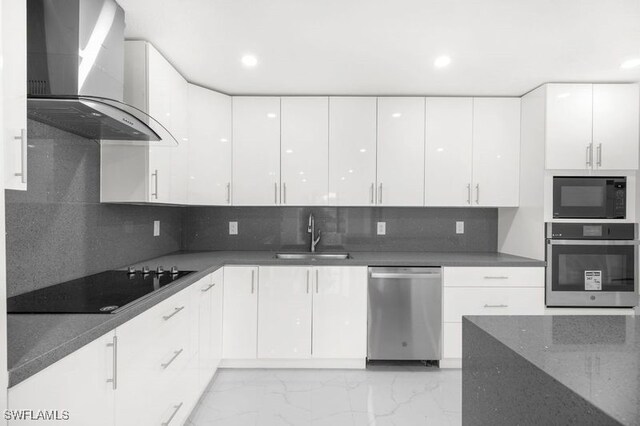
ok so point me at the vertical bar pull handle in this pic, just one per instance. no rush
(599, 155)
(308, 274)
(229, 193)
(284, 193)
(317, 280)
(477, 193)
(587, 160)
(253, 281)
(114, 345)
(371, 191)
(468, 193)
(23, 155)
(155, 176)
(275, 193)
(380, 194)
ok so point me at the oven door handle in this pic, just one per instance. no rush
(593, 242)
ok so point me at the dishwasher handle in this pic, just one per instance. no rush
(404, 275)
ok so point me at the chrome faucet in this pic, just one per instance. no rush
(312, 230)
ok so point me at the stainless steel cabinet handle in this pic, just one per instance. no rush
(114, 345)
(209, 287)
(275, 193)
(23, 155)
(496, 306)
(253, 275)
(380, 194)
(176, 310)
(308, 274)
(599, 163)
(500, 277)
(317, 280)
(229, 193)
(284, 193)
(371, 191)
(468, 193)
(155, 175)
(477, 193)
(402, 276)
(587, 160)
(176, 408)
(176, 354)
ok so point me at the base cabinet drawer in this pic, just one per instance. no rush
(493, 277)
(461, 301)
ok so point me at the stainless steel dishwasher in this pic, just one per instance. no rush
(405, 314)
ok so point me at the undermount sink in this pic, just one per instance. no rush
(313, 256)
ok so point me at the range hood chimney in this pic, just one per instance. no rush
(75, 72)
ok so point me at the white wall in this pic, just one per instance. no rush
(3, 269)
(521, 230)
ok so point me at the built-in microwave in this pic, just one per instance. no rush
(589, 197)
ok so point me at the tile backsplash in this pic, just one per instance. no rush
(343, 228)
(58, 230)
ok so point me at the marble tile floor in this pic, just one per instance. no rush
(376, 397)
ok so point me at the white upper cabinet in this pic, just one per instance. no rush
(284, 312)
(340, 312)
(496, 152)
(305, 151)
(157, 173)
(14, 88)
(449, 141)
(240, 314)
(209, 161)
(352, 151)
(569, 126)
(400, 156)
(256, 151)
(592, 126)
(616, 115)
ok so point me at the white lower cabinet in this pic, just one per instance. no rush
(487, 291)
(284, 312)
(340, 312)
(80, 383)
(210, 293)
(240, 317)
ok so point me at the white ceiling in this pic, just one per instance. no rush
(385, 47)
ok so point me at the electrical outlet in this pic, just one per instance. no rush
(459, 227)
(382, 228)
(233, 228)
(156, 228)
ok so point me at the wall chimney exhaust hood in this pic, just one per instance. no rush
(75, 73)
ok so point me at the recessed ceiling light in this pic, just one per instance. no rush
(396, 114)
(363, 150)
(289, 151)
(440, 149)
(249, 61)
(224, 140)
(185, 139)
(271, 115)
(630, 63)
(442, 61)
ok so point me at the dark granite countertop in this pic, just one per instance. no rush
(596, 357)
(37, 341)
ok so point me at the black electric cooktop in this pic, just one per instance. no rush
(103, 293)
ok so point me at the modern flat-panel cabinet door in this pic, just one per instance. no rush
(80, 383)
(240, 323)
(352, 151)
(14, 87)
(305, 151)
(496, 152)
(616, 115)
(180, 130)
(284, 312)
(217, 302)
(569, 126)
(449, 140)
(256, 151)
(209, 162)
(400, 155)
(339, 312)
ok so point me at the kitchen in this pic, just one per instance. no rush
(209, 221)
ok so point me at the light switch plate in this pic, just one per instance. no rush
(382, 228)
(156, 228)
(459, 227)
(233, 228)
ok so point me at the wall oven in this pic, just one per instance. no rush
(592, 264)
(589, 197)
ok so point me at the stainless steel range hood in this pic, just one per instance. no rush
(75, 72)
